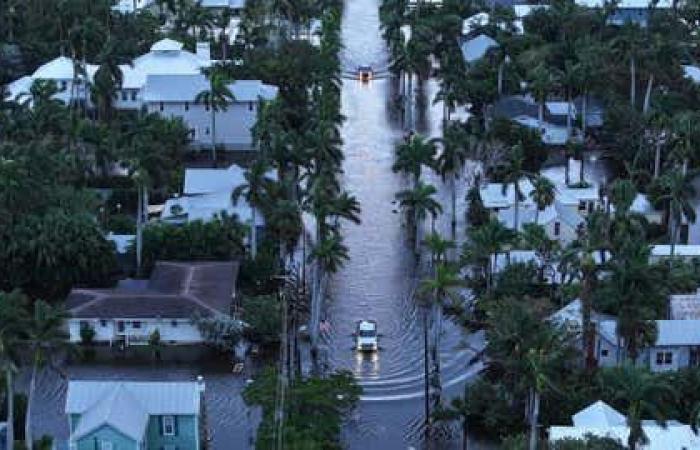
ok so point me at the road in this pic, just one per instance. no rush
(379, 280)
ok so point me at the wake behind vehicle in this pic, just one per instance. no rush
(365, 73)
(366, 337)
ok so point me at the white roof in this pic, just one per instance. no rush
(121, 241)
(525, 10)
(571, 316)
(680, 250)
(493, 196)
(201, 181)
(625, 4)
(671, 333)
(127, 405)
(473, 22)
(674, 437)
(475, 49)
(560, 108)
(19, 87)
(692, 73)
(367, 325)
(167, 45)
(205, 206)
(572, 196)
(60, 68)
(551, 134)
(685, 306)
(599, 414)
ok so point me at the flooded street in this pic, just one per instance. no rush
(379, 280)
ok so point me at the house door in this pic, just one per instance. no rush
(120, 326)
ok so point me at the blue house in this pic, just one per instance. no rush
(121, 415)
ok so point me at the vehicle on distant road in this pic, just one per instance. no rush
(365, 73)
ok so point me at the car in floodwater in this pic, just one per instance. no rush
(366, 336)
(365, 73)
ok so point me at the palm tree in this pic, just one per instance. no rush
(13, 319)
(543, 194)
(642, 395)
(486, 242)
(459, 410)
(45, 336)
(255, 190)
(513, 173)
(628, 44)
(438, 247)
(108, 78)
(419, 202)
(542, 81)
(680, 193)
(570, 80)
(216, 98)
(439, 290)
(450, 162)
(412, 155)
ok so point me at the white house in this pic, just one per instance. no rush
(601, 420)
(476, 48)
(684, 306)
(130, 313)
(208, 192)
(166, 81)
(633, 11)
(560, 222)
(677, 346)
(681, 251)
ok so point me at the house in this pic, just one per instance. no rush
(495, 198)
(135, 415)
(524, 110)
(601, 420)
(166, 81)
(677, 346)
(684, 306)
(595, 111)
(571, 316)
(629, 11)
(559, 222)
(680, 251)
(207, 193)
(131, 6)
(175, 96)
(177, 291)
(234, 6)
(476, 48)
(641, 205)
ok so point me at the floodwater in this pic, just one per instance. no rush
(380, 279)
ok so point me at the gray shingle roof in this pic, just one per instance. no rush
(175, 290)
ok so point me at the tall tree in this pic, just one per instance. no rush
(216, 98)
(256, 191)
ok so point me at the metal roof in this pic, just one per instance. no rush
(120, 409)
(670, 333)
(598, 414)
(475, 49)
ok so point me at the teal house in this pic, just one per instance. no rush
(126, 415)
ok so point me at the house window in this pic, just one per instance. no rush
(84, 324)
(581, 205)
(187, 106)
(168, 425)
(664, 358)
(174, 323)
(120, 326)
(557, 228)
(206, 131)
(604, 352)
(136, 324)
(124, 96)
(105, 445)
(160, 106)
(250, 106)
(206, 106)
(694, 359)
(668, 358)
(133, 95)
(193, 133)
(103, 323)
(64, 85)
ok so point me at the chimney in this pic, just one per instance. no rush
(203, 51)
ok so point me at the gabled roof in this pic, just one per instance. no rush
(670, 333)
(175, 290)
(205, 181)
(598, 414)
(126, 405)
(663, 250)
(120, 409)
(626, 4)
(167, 45)
(60, 68)
(493, 196)
(174, 87)
(475, 48)
(685, 306)
(673, 437)
(571, 315)
(252, 90)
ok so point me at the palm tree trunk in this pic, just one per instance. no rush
(581, 171)
(647, 96)
(28, 438)
(633, 82)
(534, 417)
(426, 375)
(516, 211)
(568, 113)
(409, 99)
(454, 205)
(213, 133)
(501, 68)
(139, 229)
(540, 115)
(674, 233)
(584, 114)
(254, 234)
(465, 434)
(418, 231)
(657, 159)
(10, 392)
(437, 332)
